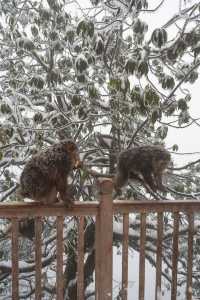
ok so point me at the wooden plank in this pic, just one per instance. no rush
(106, 238)
(145, 206)
(190, 255)
(33, 209)
(15, 259)
(125, 257)
(59, 258)
(175, 256)
(97, 257)
(38, 258)
(142, 256)
(80, 260)
(159, 255)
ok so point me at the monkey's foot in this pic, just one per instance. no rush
(69, 203)
(117, 193)
(68, 199)
(162, 188)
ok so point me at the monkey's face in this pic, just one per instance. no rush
(72, 151)
(162, 165)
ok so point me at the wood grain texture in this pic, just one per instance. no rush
(142, 256)
(15, 259)
(175, 254)
(80, 259)
(38, 258)
(125, 256)
(106, 239)
(159, 255)
(59, 259)
(190, 255)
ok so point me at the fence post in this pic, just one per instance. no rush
(105, 239)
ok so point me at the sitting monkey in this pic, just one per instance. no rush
(45, 174)
(144, 163)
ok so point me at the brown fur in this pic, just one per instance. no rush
(146, 161)
(26, 229)
(45, 174)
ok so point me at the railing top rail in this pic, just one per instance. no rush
(146, 206)
(32, 209)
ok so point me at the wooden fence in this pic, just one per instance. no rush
(103, 210)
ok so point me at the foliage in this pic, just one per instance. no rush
(103, 79)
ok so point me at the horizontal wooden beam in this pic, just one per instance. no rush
(89, 208)
(145, 206)
(34, 209)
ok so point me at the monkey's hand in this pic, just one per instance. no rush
(78, 164)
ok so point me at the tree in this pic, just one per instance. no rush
(100, 78)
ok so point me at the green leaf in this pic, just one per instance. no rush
(85, 28)
(161, 132)
(156, 115)
(179, 188)
(151, 97)
(131, 65)
(92, 91)
(81, 63)
(182, 104)
(142, 69)
(175, 147)
(5, 108)
(115, 83)
(159, 37)
(76, 100)
(167, 82)
(99, 46)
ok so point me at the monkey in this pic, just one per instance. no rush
(143, 163)
(26, 229)
(45, 174)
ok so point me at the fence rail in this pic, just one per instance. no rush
(91, 208)
(103, 211)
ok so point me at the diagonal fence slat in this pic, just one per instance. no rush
(59, 258)
(15, 259)
(80, 259)
(175, 256)
(190, 255)
(125, 256)
(159, 255)
(38, 258)
(142, 256)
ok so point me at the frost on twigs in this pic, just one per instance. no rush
(102, 75)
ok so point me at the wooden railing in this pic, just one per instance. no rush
(103, 211)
